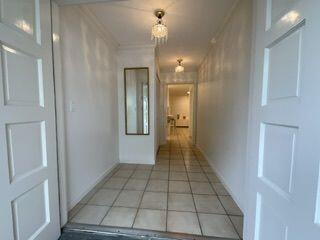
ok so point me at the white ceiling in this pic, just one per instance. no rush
(73, 2)
(191, 24)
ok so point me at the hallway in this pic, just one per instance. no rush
(179, 194)
(159, 119)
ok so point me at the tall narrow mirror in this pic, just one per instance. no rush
(136, 82)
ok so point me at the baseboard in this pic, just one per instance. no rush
(74, 202)
(221, 178)
(137, 162)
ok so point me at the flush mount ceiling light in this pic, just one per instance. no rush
(179, 68)
(159, 31)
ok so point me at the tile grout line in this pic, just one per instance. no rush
(222, 204)
(177, 139)
(139, 205)
(167, 210)
(191, 191)
(218, 197)
(85, 204)
(117, 194)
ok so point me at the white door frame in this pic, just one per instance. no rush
(194, 115)
(250, 102)
(60, 119)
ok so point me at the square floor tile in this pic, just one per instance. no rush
(191, 158)
(125, 166)
(176, 162)
(145, 167)
(90, 214)
(183, 222)
(136, 184)
(123, 173)
(179, 187)
(197, 177)
(208, 204)
(238, 224)
(154, 200)
(175, 149)
(75, 210)
(141, 174)
(178, 176)
(163, 154)
(196, 169)
(89, 195)
(230, 206)
(207, 169)
(161, 175)
(120, 217)
(214, 225)
(115, 183)
(177, 168)
(163, 160)
(201, 188)
(162, 163)
(220, 189)
(151, 220)
(157, 186)
(104, 197)
(181, 202)
(213, 178)
(204, 163)
(129, 198)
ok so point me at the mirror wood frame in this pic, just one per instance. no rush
(125, 100)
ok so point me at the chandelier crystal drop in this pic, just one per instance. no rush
(159, 31)
(179, 68)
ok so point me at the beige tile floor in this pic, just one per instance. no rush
(179, 194)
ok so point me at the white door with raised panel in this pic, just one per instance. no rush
(284, 146)
(28, 162)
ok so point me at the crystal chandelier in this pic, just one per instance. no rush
(159, 31)
(179, 68)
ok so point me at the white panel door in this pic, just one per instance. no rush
(284, 147)
(28, 162)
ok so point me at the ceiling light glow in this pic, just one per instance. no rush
(159, 31)
(179, 68)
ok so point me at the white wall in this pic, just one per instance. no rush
(223, 92)
(141, 148)
(191, 114)
(89, 76)
(180, 104)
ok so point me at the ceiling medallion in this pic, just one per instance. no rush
(179, 68)
(159, 31)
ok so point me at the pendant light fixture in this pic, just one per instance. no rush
(159, 31)
(179, 68)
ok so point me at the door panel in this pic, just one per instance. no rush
(32, 203)
(29, 156)
(22, 15)
(17, 90)
(285, 115)
(28, 162)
